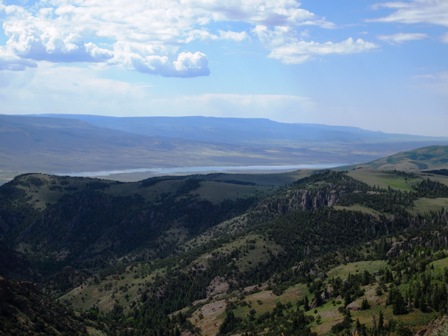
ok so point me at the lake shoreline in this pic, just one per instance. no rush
(157, 171)
(138, 174)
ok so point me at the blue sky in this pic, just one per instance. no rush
(378, 65)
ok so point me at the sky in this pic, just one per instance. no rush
(378, 65)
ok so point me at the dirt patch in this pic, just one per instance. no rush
(217, 286)
(209, 317)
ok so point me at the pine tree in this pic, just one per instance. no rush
(306, 303)
(381, 321)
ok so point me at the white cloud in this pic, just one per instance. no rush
(274, 37)
(38, 38)
(188, 64)
(234, 36)
(144, 35)
(9, 61)
(287, 47)
(402, 37)
(204, 35)
(266, 12)
(300, 51)
(200, 35)
(417, 11)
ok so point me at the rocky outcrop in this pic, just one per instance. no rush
(304, 199)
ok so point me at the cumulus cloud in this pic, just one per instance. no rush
(38, 38)
(417, 11)
(402, 37)
(187, 64)
(145, 36)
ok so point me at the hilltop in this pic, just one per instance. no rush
(426, 158)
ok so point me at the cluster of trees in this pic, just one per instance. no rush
(285, 319)
(431, 188)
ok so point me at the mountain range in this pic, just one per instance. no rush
(81, 143)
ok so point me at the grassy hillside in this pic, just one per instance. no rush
(426, 158)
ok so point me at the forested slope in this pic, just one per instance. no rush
(360, 252)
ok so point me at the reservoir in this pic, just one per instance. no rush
(203, 170)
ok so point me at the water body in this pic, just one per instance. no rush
(204, 170)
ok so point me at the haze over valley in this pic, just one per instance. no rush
(143, 147)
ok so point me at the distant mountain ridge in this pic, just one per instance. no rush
(80, 143)
(236, 130)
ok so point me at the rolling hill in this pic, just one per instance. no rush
(426, 158)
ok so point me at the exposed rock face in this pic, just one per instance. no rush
(400, 247)
(395, 249)
(304, 199)
(307, 200)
